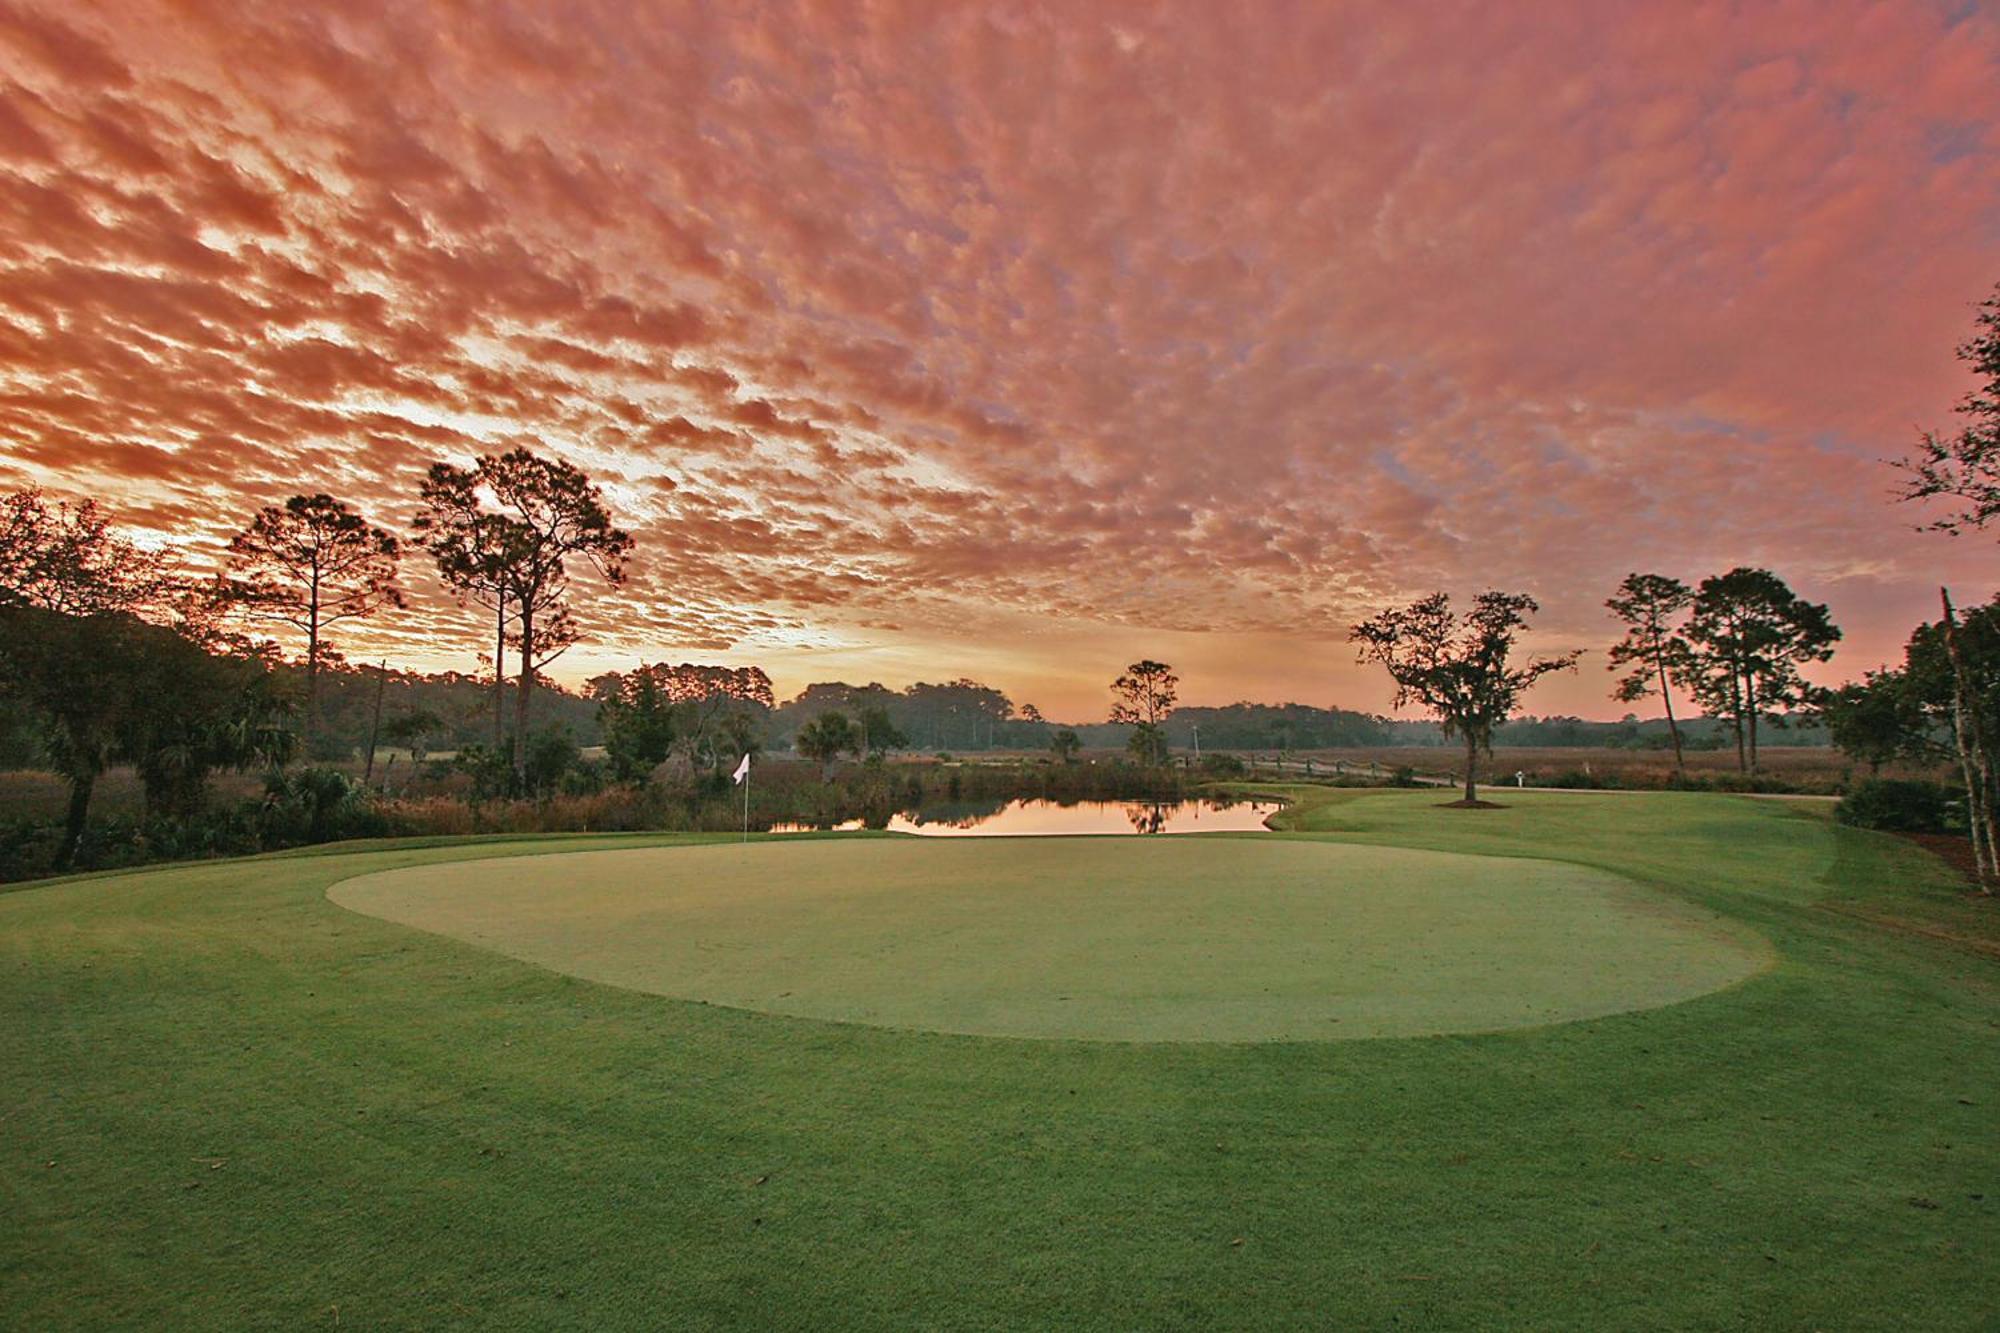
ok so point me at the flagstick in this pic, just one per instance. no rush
(746, 805)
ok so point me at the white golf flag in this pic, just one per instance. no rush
(742, 771)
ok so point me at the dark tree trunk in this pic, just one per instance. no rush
(521, 698)
(1969, 729)
(1673, 727)
(1471, 759)
(499, 674)
(80, 787)
(1736, 719)
(311, 727)
(375, 722)
(1750, 711)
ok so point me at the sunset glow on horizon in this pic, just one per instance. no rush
(1019, 341)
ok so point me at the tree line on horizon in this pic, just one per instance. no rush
(97, 624)
(117, 657)
(502, 534)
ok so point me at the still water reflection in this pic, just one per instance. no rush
(988, 819)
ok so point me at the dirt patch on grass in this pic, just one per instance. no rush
(1954, 849)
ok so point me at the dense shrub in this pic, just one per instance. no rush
(488, 771)
(316, 805)
(27, 848)
(1753, 784)
(1895, 805)
(1572, 779)
(548, 759)
(471, 795)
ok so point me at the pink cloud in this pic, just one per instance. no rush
(1178, 325)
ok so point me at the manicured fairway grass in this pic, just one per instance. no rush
(1120, 939)
(226, 1101)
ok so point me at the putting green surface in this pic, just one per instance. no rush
(1118, 939)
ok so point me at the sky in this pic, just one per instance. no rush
(1021, 340)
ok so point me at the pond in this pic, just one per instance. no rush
(1038, 818)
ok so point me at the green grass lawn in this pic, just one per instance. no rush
(1120, 939)
(227, 1101)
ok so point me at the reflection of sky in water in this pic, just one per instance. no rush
(987, 819)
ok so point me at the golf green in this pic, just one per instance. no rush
(227, 1102)
(1109, 939)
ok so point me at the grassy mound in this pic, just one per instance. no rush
(1123, 939)
(227, 1102)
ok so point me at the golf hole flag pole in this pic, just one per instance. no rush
(742, 779)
